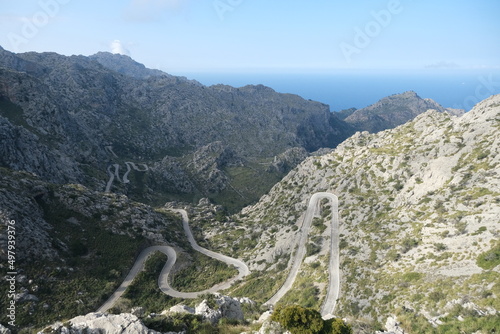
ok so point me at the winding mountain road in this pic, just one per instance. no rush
(136, 269)
(313, 209)
(116, 173)
(172, 257)
(238, 264)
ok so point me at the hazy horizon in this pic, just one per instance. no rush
(251, 36)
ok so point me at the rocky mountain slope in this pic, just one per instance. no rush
(93, 147)
(68, 118)
(392, 111)
(73, 245)
(419, 229)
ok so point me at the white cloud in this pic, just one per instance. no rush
(118, 48)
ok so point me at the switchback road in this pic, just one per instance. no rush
(172, 257)
(313, 209)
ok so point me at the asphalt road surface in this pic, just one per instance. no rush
(172, 257)
(334, 281)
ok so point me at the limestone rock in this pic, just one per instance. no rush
(226, 307)
(230, 308)
(97, 323)
(392, 327)
(209, 314)
(392, 111)
(181, 309)
(420, 201)
(66, 118)
(271, 327)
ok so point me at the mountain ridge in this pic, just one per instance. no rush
(74, 133)
(392, 111)
(419, 215)
(78, 108)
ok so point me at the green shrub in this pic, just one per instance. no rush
(312, 248)
(336, 326)
(300, 320)
(189, 279)
(490, 259)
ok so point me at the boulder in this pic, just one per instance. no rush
(226, 307)
(97, 323)
(207, 312)
(181, 309)
(392, 327)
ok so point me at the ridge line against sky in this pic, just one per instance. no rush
(258, 35)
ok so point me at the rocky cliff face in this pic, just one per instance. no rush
(67, 118)
(392, 111)
(86, 141)
(419, 208)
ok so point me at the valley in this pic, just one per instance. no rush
(135, 191)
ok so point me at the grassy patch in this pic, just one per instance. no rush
(95, 263)
(260, 289)
(203, 273)
(490, 259)
(144, 290)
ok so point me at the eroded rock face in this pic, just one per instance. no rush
(392, 327)
(210, 314)
(97, 323)
(271, 327)
(394, 110)
(222, 307)
(420, 201)
(67, 118)
(230, 308)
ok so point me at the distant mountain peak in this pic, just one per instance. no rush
(125, 65)
(392, 111)
(409, 93)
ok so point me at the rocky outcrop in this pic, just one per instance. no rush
(213, 310)
(96, 323)
(60, 115)
(271, 327)
(126, 65)
(392, 111)
(31, 203)
(418, 207)
(207, 165)
(287, 160)
(392, 326)
(4, 330)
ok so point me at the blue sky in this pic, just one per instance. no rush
(186, 36)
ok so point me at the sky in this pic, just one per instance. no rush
(186, 36)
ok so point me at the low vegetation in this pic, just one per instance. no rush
(301, 320)
(490, 259)
(202, 273)
(94, 267)
(144, 290)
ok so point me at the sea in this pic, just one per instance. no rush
(460, 89)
